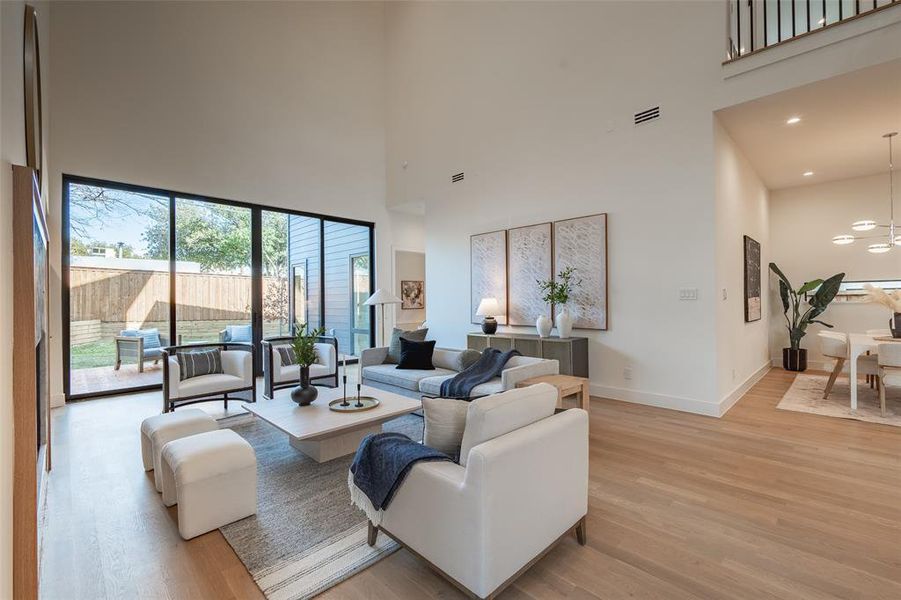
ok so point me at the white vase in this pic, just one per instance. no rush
(564, 323)
(544, 325)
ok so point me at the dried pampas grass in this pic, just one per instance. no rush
(890, 300)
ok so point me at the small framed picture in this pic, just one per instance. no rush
(412, 295)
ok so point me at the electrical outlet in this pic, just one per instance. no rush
(688, 293)
(627, 373)
(725, 295)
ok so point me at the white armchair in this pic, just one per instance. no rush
(236, 376)
(277, 375)
(521, 487)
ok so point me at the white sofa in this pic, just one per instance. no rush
(522, 485)
(277, 376)
(414, 383)
(236, 376)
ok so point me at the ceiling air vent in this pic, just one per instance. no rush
(645, 116)
(456, 177)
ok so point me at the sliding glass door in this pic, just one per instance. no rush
(144, 269)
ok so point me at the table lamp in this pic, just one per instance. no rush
(488, 308)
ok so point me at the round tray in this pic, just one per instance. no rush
(368, 403)
(886, 338)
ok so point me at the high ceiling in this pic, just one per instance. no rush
(839, 135)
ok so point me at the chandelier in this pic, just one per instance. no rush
(891, 238)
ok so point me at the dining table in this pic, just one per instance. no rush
(858, 345)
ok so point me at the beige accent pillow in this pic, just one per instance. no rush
(445, 421)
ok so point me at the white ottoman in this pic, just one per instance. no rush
(213, 478)
(159, 430)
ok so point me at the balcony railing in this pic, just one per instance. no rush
(758, 24)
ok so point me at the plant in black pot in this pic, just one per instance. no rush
(794, 358)
(304, 346)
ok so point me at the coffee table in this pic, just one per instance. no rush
(323, 434)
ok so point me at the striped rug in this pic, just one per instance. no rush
(306, 536)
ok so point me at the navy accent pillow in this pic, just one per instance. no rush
(416, 355)
(199, 362)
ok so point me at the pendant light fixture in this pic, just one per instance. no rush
(892, 238)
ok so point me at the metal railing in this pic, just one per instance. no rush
(758, 24)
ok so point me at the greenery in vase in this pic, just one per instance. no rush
(304, 344)
(557, 292)
(792, 301)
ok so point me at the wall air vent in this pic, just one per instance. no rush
(456, 177)
(645, 116)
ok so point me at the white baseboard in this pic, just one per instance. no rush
(736, 394)
(698, 407)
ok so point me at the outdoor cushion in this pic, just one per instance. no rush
(432, 386)
(407, 379)
(238, 333)
(151, 337)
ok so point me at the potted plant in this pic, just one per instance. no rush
(890, 300)
(794, 358)
(304, 348)
(557, 293)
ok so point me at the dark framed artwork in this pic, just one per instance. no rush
(412, 295)
(752, 280)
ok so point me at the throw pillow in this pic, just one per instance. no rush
(199, 362)
(238, 333)
(416, 355)
(394, 346)
(445, 421)
(286, 353)
(466, 359)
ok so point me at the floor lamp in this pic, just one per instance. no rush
(381, 298)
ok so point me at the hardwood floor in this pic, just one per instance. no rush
(762, 503)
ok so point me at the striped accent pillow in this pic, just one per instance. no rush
(199, 362)
(287, 355)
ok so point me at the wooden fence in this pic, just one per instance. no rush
(142, 296)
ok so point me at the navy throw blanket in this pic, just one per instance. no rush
(382, 462)
(489, 366)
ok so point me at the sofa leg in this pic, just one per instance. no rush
(373, 534)
(581, 535)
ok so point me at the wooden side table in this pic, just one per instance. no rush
(567, 385)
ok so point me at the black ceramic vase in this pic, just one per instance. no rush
(305, 393)
(895, 325)
(794, 359)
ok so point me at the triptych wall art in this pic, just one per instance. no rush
(507, 265)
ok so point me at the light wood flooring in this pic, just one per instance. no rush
(760, 504)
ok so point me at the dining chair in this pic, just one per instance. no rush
(834, 344)
(889, 369)
(876, 333)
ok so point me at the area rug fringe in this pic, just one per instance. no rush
(361, 501)
(322, 566)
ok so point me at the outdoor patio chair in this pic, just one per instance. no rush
(140, 345)
(233, 374)
(236, 333)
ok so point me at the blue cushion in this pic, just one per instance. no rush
(151, 337)
(238, 333)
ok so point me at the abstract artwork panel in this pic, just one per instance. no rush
(752, 280)
(582, 244)
(412, 295)
(488, 270)
(530, 259)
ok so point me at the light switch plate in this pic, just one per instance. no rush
(688, 293)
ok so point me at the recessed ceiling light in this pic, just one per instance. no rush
(808, 173)
(793, 120)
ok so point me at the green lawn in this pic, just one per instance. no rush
(94, 354)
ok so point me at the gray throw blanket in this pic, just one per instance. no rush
(489, 366)
(382, 462)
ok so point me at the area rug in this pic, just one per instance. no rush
(806, 395)
(306, 536)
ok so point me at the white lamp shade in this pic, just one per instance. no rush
(488, 307)
(382, 297)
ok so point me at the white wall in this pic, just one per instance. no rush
(280, 104)
(741, 209)
(12, 152)
(803, 222)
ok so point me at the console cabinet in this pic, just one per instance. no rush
(571, 353)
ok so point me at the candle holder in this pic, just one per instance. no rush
(345, 402)
(359, 404)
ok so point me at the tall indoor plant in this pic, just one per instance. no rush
(304, 346)
(557, 293)
(794, 358)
